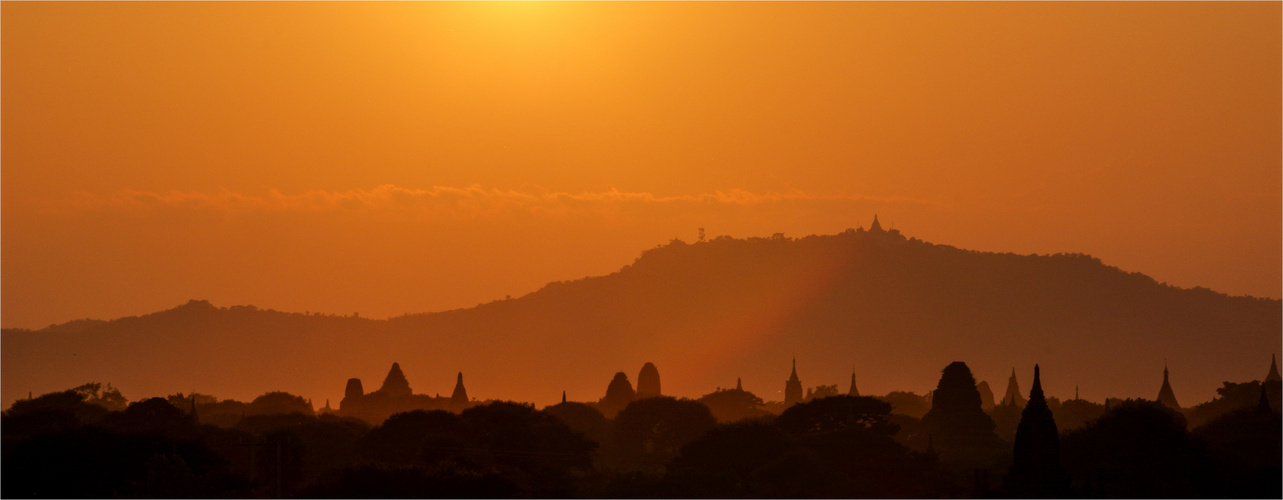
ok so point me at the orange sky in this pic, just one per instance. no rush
(411, 157)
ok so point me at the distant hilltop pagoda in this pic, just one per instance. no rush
(793, 386)
(853, 392)
(1165, 395)
(395, 396)
(876, 230)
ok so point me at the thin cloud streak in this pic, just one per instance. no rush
(469, 202)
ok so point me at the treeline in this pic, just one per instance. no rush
(87, 442)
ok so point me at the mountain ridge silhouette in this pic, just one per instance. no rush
(898, 308)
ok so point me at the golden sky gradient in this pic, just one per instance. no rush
(411, 157)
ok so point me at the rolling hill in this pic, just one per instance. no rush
(894, 309)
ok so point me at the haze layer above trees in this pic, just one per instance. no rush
(892, 308)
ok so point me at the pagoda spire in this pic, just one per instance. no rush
(793, 387)
(1165, 394)
(563, 396)
(460, 394)
(1036, 471)
(1035, 394)
(1274, 371)
(739, 384)
(853, 391)
(876, 227)
(1013, 397)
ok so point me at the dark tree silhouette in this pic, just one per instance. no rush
(517, 434)
(1248, 446)
(278, 403)
(416, 437)
(1075, 413)
(833, 447)
(728, 461)
(107, 397)
(152, 416)
(729, 405)
(581, 418)
(92, 462)
(1231, 397)
(650, 432)
(446, 480)
(907, 403)
(838, 413)
(48, 413)
(819, 392)
(536, 450)
(1137, 448)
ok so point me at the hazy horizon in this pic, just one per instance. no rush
(864, 217)
(860, 300)
(399, 158)
(513, 296)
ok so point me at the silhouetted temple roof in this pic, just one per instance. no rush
(1013, 396)
(460, 394)
(1165, 395)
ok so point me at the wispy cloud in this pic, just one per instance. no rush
(467, 202)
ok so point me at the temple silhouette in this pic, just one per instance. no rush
(396, 396)
(1165, 394)
(1012, 396)
(793, 386)
(725, 444)
(648, 382)
(1036, 471)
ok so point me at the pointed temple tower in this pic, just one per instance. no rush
(739, 384)
(1013, 397)
(648, 381)
(793, 386)
(876, 227)
(395, 383)
(1035, 470)
(1165, 394)
(1273, 376)
(853, 391)
(460, 394)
